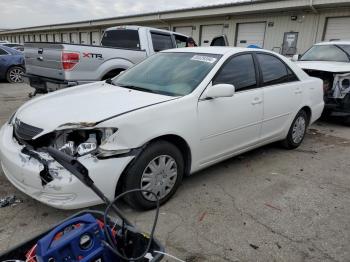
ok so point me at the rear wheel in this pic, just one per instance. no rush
(297, 131)
(14, 74)
(158, 169)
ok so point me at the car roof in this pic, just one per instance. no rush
(343, 42)
(218, 50)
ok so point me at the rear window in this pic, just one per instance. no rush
(161, 42)
(121, 38)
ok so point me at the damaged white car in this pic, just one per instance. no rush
(175, 113)
(330, 61)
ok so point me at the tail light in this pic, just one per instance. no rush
(69, 60)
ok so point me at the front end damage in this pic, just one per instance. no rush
(28, 166)
(336, 88)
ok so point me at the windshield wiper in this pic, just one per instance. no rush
(109, 81)
(142, 89)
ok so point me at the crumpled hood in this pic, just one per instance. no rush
(328, 66)
(84, 104)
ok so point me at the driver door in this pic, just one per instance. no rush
(231, 124)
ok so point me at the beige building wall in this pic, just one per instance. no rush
(310, 24)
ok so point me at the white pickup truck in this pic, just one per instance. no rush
(52, 66)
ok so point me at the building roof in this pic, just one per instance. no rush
(226, 9)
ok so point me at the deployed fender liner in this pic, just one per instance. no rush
(339, 107)
(45, 175)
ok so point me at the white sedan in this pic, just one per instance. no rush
(172, 115)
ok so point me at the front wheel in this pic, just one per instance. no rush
(158, 169)
(14, 74)
(297, 131)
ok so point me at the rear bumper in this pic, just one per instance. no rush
(65, 191)
(45, 85)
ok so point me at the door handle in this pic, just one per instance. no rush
(298, 91)
(257, 101)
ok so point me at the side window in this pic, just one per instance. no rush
(180, 41)
(3, 52)
(239, 71)
(274, 71)
(161, 42)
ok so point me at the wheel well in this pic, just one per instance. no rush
(112, 73)
(177, 141)
(307, 110)
(12, 66)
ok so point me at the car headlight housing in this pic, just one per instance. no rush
(82, 142)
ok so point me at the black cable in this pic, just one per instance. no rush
(112, 242)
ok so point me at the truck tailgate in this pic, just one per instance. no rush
(44, 59)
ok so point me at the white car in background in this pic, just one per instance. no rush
(173, 114)
(330, 61)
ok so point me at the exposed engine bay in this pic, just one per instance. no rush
(336, 87)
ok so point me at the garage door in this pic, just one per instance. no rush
(65, 38)
(208, 32)
(57, 38)
(84, 38)
(337, 28)
(95, 38)
(250, 34)
(50, 38)
(43, 38)
(185, 30)
(74, 38)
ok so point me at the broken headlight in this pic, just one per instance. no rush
(82, 142)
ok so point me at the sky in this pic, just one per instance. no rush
(26, 13)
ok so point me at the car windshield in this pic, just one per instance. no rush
(173, 74)
(336, 53)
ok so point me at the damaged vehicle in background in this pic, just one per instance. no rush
(330, 61)
(173, 114)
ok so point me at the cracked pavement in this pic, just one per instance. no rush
(269, 204)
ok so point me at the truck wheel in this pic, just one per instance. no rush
(297, 131)
(14, 74)
(159, 169)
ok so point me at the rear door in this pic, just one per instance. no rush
(282, 95)
(230, 124)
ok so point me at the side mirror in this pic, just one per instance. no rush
(295, 57)
(220, 90)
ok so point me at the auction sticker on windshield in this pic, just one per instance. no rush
(202, 58)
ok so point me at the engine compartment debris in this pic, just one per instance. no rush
(11, 200)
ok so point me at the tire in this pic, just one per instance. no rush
(141, 175)
(346, 121)
(14, 74)
(297, 131)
